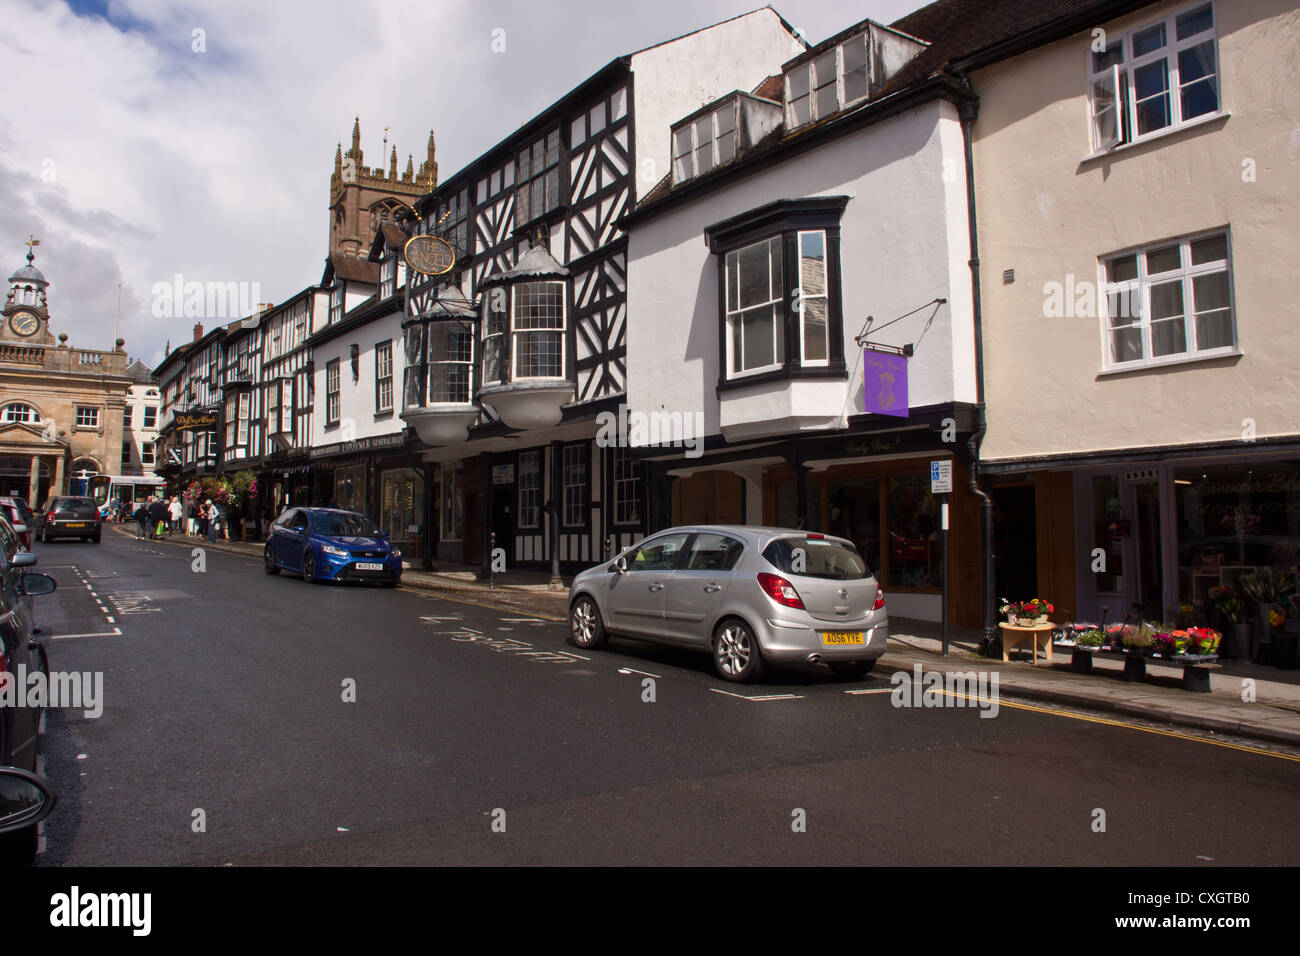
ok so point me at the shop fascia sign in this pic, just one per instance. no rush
(358, 446)
(203, 419)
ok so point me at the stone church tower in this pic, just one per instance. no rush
(361, 198)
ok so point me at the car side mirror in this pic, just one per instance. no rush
(620, 564)
(24, 559)
(25, 799)
(35, 584)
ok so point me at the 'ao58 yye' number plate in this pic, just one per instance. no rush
(841, 638)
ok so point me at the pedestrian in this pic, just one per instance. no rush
(157, 518)
(174, 513)
(141, 516)
(212, 518)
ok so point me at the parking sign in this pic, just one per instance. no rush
(941, 477)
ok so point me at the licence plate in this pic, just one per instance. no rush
(369, 566)
(75, 524)
(838, 638)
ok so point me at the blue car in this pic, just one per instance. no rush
(326, 544)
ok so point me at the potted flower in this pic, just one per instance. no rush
(1027, 613)
(1093, 637)
(1265, 587)
(1139, 640)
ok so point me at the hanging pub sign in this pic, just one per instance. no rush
(884, 383)
(429, 255)
(197, 420)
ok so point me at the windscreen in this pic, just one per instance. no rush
(344, 524)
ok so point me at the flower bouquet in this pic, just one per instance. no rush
(1203, 640)
(1026, 613)
(1093, 637)
(1139, 640)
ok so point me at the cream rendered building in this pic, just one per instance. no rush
(1137, 185)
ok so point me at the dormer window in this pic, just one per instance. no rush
(388, 276)
(827, 83)
(704, 142)
(336, 302)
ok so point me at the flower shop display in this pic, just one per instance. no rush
(1027, 613)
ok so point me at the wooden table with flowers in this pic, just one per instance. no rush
(1026, 620)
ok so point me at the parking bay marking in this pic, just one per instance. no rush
(759, 697)
(514, 648)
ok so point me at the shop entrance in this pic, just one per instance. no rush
(1015, 542)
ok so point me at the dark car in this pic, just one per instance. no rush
(326, 544)
(66, 516)
(21, 653)
(21, 518)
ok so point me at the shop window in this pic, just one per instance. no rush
(452, 506)
(530, 488)
(854, 514)
(575, 485)
(350, 488)
(912, 522)
(1109, 531)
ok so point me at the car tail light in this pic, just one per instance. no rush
(880, 600)
(780, 590)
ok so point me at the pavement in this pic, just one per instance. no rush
(1245, 700)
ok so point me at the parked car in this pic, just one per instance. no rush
(327, 544)
(21, 518)
(66, 516)
(20, 652)
(750, 596)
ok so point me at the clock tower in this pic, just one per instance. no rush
(26, 315)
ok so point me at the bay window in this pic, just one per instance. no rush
(451, 357)
(537, 330)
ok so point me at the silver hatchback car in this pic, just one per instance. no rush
(749, 595)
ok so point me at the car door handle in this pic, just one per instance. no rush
(713, 587)
(656, 587)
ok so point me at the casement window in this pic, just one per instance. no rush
(826, 83)
(150, 416)
(537, 177)
(494, 333)
(388, 276)
(781, 313)
(230, 421)
(332, 401)
(336, 304)
(755, 330)
(87, 416)
(627, 488)
(574, 483)
(451, 364)
(1160, 76)
(530, 488)
(146, 453)
(1169, 302)
(126, 417)
(126, 457)
(451, 221)
(241, 437)
(702, 143)
(537, 329)
(384, 377)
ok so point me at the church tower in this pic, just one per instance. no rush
(361, 198)
(26, 314)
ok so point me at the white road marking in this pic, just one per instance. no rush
(759, 697)
(633, 670)
(523, 620)
(115, 632)
(873, 690)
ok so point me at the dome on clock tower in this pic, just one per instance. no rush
(29, 274)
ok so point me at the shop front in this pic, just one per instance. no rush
(375, 477)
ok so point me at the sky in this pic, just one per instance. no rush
(142, 140)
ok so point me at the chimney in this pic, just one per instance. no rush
(198, 331)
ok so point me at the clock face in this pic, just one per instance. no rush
(24, 323)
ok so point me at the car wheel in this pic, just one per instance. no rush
(95, 539)
(851, 670)
(585, 627)
(309, 568)
(268, 561)
(735, 652)
(390, 584)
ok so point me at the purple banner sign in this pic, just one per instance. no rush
(885, 383)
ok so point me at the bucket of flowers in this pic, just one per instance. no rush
(1027, 613)
(1093, 637)
(1203, 641)
(1115, 635)
(1139, 640)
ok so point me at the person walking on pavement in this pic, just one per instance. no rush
(174, 512)
(157, 518)
(210, 513)
(141, 517)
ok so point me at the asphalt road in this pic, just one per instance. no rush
(224, 705)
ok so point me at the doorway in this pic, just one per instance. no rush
(1015, 542)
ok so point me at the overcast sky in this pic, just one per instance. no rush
(134, 157)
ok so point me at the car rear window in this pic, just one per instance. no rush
(816, 558)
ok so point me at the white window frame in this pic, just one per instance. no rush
(687, 165)
(560, 333)
(388, 276)
(824, 296)
(29, 415)
(242, 434)
(1118, 79)
(333, 399)
(627, 488)
(530, 489)
(495, 323)
(816, 82)
(336, 302)
(89, 412)
(733, 310)
(384, 377)
(126, 417)
(1139, 290)
(146, 453)
(146, 423)
(575, 510)
(442, 362)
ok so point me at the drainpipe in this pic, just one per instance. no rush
(968, 111)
